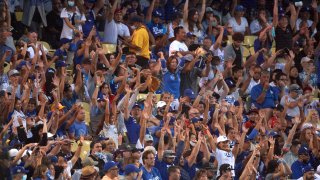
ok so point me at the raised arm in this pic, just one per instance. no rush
(293, 16)
(79, 82)
(76, 155)
(150, 10)
(275, 19)
(186, 11)
(203, 10)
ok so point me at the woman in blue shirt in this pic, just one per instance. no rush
(171, 70)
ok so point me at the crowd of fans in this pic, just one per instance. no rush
(159, 89)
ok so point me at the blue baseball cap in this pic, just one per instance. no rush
(303, 150)
(21, 64)
(107, 166)
(60, 63)
(157, 13)
(230, 83)
(137, 105)
(18, 170)
(273, 134)
(130, 168)
(240, 8)
(189, 93)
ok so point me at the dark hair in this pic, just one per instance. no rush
(272, 166)
(199, 173)
(173, 169)
(191, 23)
(278, 76)
(237, 36)
(93, 143)
(170, 59)
(177, 30)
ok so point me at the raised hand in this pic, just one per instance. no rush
(271, 140)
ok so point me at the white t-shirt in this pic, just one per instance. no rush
(224, 157)
(68, 168)
(123, 30)
(32, 53)
(236, 27)
(255, 26)
(110, 131)
(67, 32)
(293, 112)
(110, 32)
(177, 46)
(252, 83)
(220, 53)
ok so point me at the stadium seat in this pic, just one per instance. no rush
(86, 107)
(249, 40)
(109, 48)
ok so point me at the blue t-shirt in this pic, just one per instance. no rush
(191, 170)
(297, 169)
(270, 98)
(68, 103)
(133, 128)
(163, 168)
(153, 175)
(90, 22)
(60, 53)
(78, 129)
(156, 29)
(171, 80)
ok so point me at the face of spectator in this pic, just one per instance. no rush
(253, 116)
(195, 16)
(283, 22)
(239, 13)
(224, 145)
(169, 160)
(57, 5)
(135, 4)
(30, 122)
(304, 157)
(156, 20)
(118, 17)
(88, 5)
(305, 15)
(131, 59)
(181, 161)
(68, 93)
(237, 74)
(201, 108)
(207, 43)
(175, 175)
(166, 97)
(294, 72)
(33, 37)
(110, 146)
(262, 13)
(133, 175)
(150, 160)
(105, 89)
(309, 175)
(194, 113)
(282, 81)
(257, 74)
(66, 148)
(136, 113)
(126, 154)
(136, 155)
(96, 148)
(17, 106)
(308, 134)
(227, 175)
(237, 43)
(31, 106)
(293, 94)
(181, 36)
(295, 149)
(173, 65)
(114, 172)
(264, 78)
(81, 115)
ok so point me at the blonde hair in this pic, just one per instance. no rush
(310, 120)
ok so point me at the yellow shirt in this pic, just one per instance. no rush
(140, 38)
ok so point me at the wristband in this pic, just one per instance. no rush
(97, 86)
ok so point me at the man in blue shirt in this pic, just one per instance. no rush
(163, 164)
(264, 96)
(132, 124)
(302, 162)
(149, 172)
(79, 127)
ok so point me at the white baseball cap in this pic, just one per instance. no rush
(160, 104)
(13, 152)
(222, 139)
